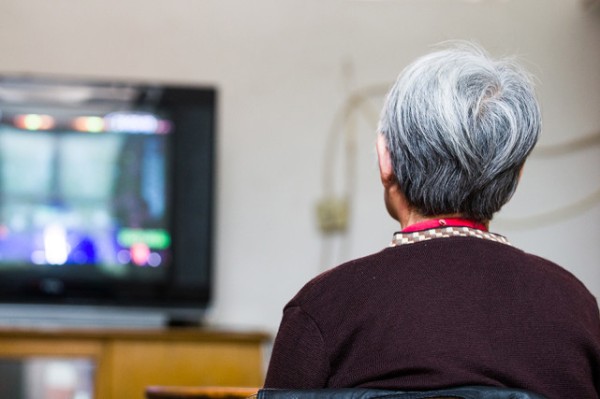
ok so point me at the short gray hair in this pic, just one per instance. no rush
(459, 126)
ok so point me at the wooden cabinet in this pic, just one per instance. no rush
(126, 362)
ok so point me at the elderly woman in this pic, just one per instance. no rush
(448, 303)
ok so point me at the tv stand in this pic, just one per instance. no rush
(127, 361)
(95, 317)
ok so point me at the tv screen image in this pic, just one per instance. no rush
(106, 197)
(84, 199)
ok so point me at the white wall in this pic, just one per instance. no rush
(284, 69)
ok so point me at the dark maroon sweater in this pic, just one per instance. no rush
(441, 313)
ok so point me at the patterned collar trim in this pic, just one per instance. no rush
(401, 238)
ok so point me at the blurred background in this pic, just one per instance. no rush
(300, 84)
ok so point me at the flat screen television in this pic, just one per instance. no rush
(106, 201)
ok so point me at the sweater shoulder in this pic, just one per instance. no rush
(458, 254)
(339, 279)
(560, 276)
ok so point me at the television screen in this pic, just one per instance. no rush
(106, 192)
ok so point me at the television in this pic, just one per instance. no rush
(106, 201)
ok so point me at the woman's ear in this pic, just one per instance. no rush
(386, 169)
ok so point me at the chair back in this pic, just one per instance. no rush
(200, 392)
(472, 392)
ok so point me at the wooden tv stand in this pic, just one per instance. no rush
(127, 361)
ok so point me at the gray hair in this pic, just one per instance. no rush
(459, 126)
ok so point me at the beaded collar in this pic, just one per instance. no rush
(444, 228)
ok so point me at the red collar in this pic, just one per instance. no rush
(445, 222)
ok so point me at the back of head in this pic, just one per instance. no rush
(459, 126)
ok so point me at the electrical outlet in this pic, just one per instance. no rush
(332, 214)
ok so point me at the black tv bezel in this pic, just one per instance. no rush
(192, 207)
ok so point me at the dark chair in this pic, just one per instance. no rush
(471, 392)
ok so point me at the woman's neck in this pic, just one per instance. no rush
(412, 220)
(401, 210)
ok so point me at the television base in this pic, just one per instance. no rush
(93, 317)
